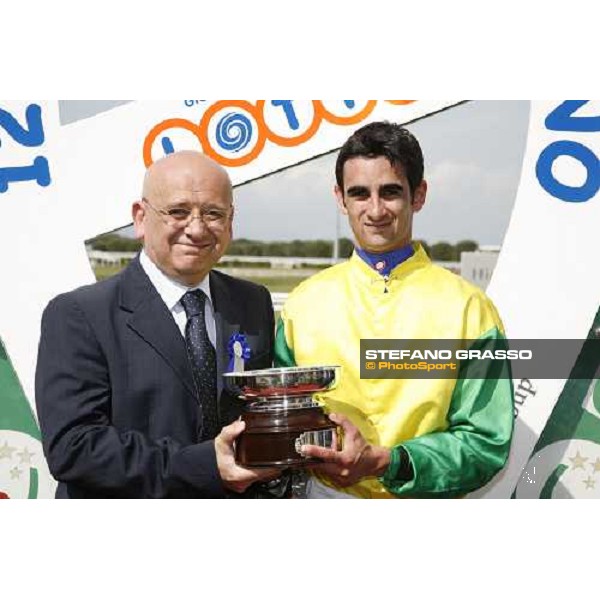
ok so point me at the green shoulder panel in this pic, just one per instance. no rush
(476, 443)
(284, 355)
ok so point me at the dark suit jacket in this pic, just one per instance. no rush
(115, 394)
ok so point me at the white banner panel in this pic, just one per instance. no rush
(40, 245)
(102, 160)
(545, 284)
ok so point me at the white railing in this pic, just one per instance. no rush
(279, 299)
(286, 262)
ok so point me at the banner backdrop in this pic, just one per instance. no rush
(62, 185)
(565, 462)
(41, 256)
(543, 284)
(102, 160)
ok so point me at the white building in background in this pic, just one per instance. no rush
(478, 267)
(450, 265)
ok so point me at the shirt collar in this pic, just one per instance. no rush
(365, 273)
(385, 262)
(168, 289)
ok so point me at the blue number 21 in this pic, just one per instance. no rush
(30, 137)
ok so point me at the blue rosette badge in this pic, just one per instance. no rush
(239, 352)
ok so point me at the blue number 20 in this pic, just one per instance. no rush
(562, 119)
(30, 137)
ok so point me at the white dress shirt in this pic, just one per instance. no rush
(171, 293)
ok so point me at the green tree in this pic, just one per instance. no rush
(345, 247)
(319, 249)
(297, 248)
(275, 249)
(111, 242)
(245, 247)
(238, 247)
(466, 246)
(443, 251)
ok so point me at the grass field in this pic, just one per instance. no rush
(275, 280)
(278, 284)
(105, 272)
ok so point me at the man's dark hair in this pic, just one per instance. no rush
(383, 138)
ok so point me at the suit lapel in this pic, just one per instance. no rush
(227, 321)
(151, 320)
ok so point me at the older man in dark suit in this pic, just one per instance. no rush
(129, 391)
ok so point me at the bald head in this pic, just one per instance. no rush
(188, 168)
(186, 183)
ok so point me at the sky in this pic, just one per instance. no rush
(473, 154)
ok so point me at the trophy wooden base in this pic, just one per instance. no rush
(273, 438)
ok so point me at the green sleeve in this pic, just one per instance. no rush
(284, 354)
(476, 443)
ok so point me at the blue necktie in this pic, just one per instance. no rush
(203, 359)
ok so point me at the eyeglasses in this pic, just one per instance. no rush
(179, 216)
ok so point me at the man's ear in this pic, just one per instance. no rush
(419, 196)
(138, 212)
(231, 221)
(339, 196)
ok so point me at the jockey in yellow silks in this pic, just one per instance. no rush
(404, 437)
(456, 432)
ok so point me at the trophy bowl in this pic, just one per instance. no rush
(284, 381)
(281, 414)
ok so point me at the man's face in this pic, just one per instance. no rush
(377, 199)
(186, 252)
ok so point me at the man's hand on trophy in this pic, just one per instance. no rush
(357, 459)
(236, 478)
